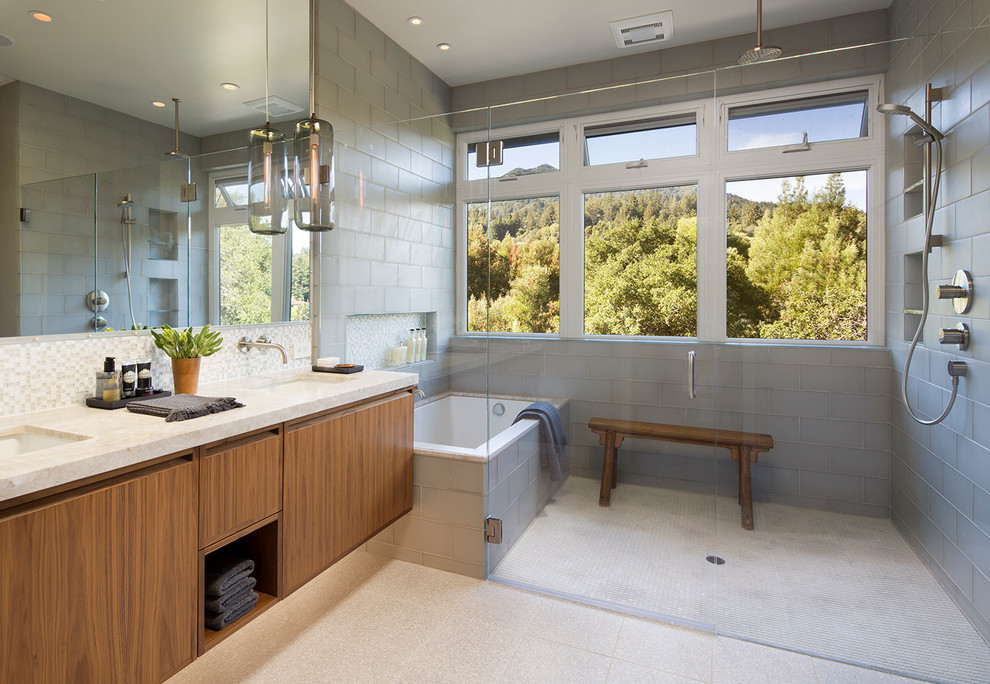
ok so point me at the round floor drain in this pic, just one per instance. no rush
(715, 560)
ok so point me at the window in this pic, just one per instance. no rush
(829, 117)
(658, 225)
(641, 262)
(523, 156)
(513, 271)
(635, 140)
(255, 278)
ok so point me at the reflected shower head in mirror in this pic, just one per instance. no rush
(893, 109)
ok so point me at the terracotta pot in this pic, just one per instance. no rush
(185, 375)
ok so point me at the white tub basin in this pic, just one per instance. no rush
(24, 439)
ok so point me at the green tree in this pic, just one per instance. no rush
(245, 276)
(299, 290)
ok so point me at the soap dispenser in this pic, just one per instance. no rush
(107, 381)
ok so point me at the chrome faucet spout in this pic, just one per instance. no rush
(245, 343)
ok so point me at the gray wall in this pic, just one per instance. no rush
(393, 248)
(826, 408)
(941, 475)
(9, 224)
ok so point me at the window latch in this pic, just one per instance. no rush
(641, 164)
(804, 146)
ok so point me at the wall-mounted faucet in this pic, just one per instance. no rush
(245, 343)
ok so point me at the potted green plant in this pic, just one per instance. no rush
(186, 349)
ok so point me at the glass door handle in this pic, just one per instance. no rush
(691, 393)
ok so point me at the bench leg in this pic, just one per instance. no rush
(608, 470)
(745, 489)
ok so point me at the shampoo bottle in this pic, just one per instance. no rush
(425, 345)
(411, 347)
(107, 381)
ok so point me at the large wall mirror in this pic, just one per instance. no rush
(113, 239)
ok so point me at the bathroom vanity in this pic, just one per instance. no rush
(103, 540)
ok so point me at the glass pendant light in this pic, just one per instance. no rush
(313, 156)
(268, 172)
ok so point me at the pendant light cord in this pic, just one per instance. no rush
(268, 119)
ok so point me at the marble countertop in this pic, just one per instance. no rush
(117, 439)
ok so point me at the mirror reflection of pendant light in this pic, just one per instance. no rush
(313, 156)
(268, 179)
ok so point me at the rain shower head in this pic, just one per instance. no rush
(893, 109)
(761, 53)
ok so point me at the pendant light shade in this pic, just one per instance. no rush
(312, 153)
(268, 182)
(313, 175)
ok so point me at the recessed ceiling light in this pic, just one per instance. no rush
(415, 21)
(443, 46)
(43, 17)
(158, 103)
(230, 86)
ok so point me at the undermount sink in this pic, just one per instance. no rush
(303, 383)
(24, 439)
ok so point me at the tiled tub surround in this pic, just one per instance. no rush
(826, 407)
(445, 529)
(122, 439)
(55, 371)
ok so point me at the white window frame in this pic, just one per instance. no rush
(281, 261)
(710, 169)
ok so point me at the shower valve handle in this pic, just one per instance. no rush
(958, 335)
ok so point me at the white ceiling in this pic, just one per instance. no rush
(508, 37)
(124, 53)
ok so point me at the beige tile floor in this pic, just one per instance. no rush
(843, 587)
(373, 619)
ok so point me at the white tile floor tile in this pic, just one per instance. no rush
(843, 587)
(371, 619)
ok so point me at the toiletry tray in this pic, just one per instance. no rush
(339, 368)
(121, 403)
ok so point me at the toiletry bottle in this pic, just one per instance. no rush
(107, 381)
(411, 347)
(144, 386)
(426, 343)
(128, 378)
(420, 344)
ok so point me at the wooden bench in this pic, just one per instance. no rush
(745, 447)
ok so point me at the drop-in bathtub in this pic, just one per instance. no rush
(461, 476)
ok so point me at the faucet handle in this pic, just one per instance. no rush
(264, 339)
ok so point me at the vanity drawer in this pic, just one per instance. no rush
(240, 483)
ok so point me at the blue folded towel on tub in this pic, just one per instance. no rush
(552, 436)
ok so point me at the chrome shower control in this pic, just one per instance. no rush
(960, 291)
(958, 335)
(957, 369)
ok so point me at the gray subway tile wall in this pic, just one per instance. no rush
(939, 474)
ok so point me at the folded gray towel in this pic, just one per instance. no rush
(218, 621)
(234, 595)
(552, 436)
(183, 406)
(223, 572)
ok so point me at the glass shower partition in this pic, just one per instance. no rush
(583, 272)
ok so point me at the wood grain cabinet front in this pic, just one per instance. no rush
(99, 585)
(239, 483)
(347, 475)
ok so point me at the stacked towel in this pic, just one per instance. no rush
(552, 437)
(229, 589)
(183, 406)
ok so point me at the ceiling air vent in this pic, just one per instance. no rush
(653, 28)
(277, 106)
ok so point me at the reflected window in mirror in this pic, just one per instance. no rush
(254, 278)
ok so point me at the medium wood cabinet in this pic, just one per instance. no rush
(99, 585)
(346, 475)
(239, 483)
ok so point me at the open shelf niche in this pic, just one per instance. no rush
(260, 543)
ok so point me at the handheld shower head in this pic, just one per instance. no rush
(893, 109)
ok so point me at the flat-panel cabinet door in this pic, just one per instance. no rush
(346, 477)
(100, 587)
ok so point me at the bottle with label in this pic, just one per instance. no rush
(420, 344)
(426, 342)
(128, 378)
(107, 381)
(144, 386)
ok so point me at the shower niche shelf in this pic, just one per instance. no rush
(163, 301)
(912, 294)
(914, 170)
(163, 235)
